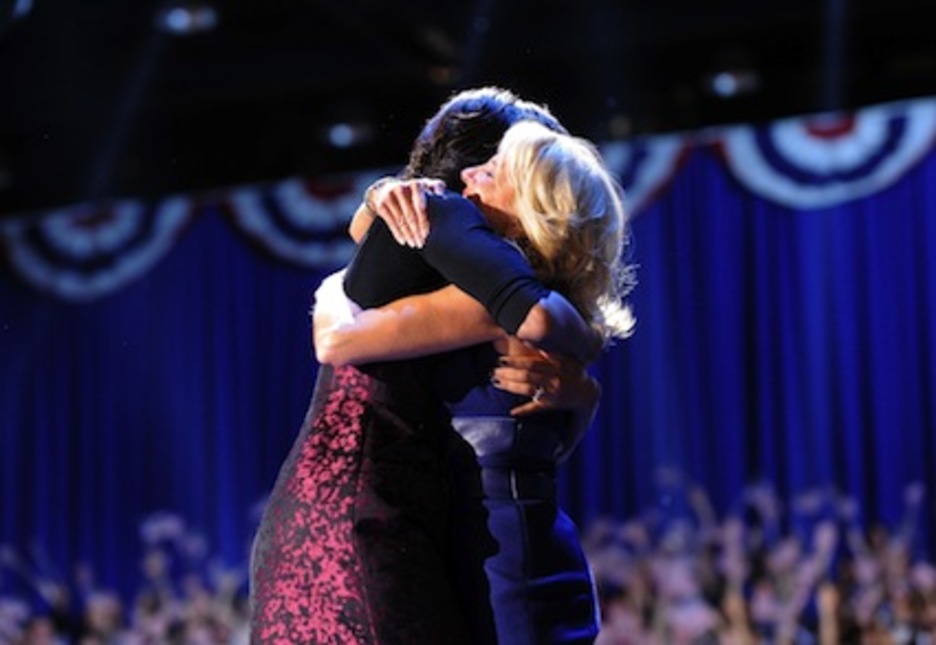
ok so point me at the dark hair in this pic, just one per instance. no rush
(466, 131)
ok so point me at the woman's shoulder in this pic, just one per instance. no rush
(449, 203)
(448, 198)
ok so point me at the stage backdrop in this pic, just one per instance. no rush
(156, 361)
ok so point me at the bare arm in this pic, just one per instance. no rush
(413, 326)
(435, 322)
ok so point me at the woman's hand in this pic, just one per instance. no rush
(552, 382)
(536, 375)
(401, 203)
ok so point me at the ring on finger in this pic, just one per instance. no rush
(538, 394)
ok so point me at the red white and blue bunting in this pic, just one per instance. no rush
(820, 161)
(299, 221)
(86, 252)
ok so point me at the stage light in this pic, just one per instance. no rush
(21, 8)
(347, 135)
(732, 71)
(730, 83)
(12, 11)
(187, 19)
(341, 135)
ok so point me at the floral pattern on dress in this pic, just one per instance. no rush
(307, 583)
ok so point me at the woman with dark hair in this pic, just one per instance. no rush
(354, 543)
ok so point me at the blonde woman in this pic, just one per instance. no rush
(520, 571)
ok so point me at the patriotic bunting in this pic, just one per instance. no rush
(820, 161)
(88, 251)
(296, 224)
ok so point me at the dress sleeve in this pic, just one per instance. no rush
(468, 253)
(382, 271)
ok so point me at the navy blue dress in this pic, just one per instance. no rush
(520, 571)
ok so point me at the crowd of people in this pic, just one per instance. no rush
(803, 570)
(183, 596)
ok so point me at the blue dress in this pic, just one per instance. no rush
(521, 574)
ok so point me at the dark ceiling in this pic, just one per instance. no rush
(97, 102)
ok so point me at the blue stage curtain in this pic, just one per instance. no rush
(792, 347)
(797, 348)
(181, 392)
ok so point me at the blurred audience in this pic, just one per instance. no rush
(811, 574)
(182, 597)
(784, 572)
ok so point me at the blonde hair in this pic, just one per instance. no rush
(572, 213)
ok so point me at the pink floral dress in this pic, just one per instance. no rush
(352, 545)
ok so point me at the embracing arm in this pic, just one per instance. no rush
(434, 322)
(406, 328)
